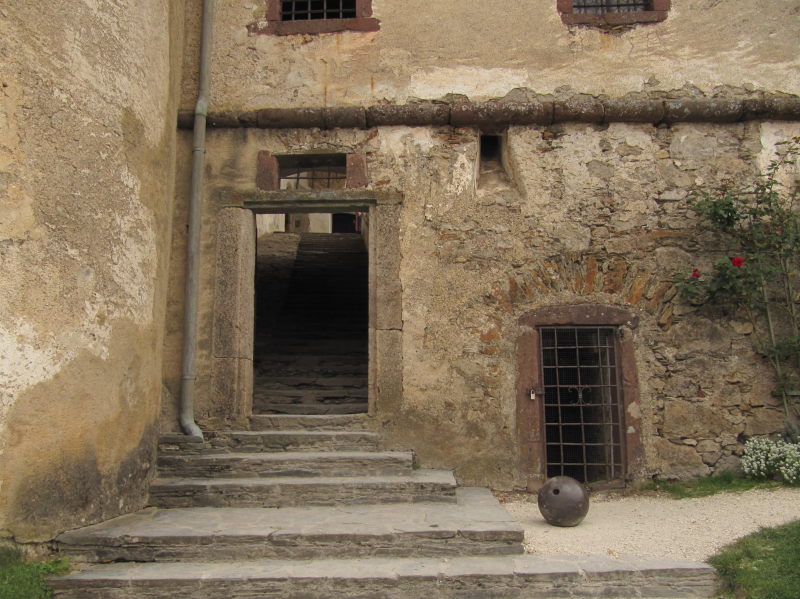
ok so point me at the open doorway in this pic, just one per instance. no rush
(311, 315)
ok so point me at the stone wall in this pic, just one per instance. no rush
(429, 50)
(87, 127)
(581, 214)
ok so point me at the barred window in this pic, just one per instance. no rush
(291, 17)
(313, 171)
(612, 13)
(603, 6)
(310, 172)
(301, 10)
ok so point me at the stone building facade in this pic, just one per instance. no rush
(520, 172)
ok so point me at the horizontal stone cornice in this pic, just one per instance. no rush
(500, 113)
(297, 202)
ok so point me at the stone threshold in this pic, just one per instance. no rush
(477, 577)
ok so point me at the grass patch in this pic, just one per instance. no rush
(26, 580)
(764, 565)
(709, 485)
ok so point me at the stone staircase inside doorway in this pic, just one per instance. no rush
(311, 343)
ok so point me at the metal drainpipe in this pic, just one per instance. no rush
(189, 376)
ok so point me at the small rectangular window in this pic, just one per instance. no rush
(302, 10)
(612, 13)
(313, 171)
(597, 7)
(295, 17)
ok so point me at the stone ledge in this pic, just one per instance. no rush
(502, 112)
(521, 577)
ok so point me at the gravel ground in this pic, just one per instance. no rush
(654, 525)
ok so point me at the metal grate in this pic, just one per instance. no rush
(581, 403)
(313, 171)
(304, 10)
(606, 6)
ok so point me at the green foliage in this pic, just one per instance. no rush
(763, 565)
(710, 485)
(26, 580)
(760, 271)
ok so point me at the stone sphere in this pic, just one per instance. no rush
(563, 501)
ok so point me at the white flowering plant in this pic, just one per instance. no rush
(765, 458)
(789, 468)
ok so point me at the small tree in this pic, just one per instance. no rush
(762, 223)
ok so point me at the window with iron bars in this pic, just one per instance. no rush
(288, 17)
(612, 12)
(582, 403)
(601, 6)
(312, 171)
(298, 10)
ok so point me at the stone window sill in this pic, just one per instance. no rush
(315, 26)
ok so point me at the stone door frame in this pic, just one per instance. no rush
(530, 414)
(234, 310)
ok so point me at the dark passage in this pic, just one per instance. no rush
(311, 325)
(582, 405)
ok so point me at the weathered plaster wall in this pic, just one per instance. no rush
(88, 93)
(482, 49)
(589, 214)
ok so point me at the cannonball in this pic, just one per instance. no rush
(563, 501)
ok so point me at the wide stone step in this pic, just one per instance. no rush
(264, 407)
(271, 440)
(329, 359)
(302, 463)
(335, 346)
(283, 332)
(420, 485)
(311, 382)
(319, 369)
(329, 395)
(329, 422)
(475, 525)
(511, 577)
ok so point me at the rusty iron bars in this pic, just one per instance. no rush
(303, 10)
(606, 6)
(582, 403)
(312, 171)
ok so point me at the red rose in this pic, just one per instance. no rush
(696, 273)
(737, 261)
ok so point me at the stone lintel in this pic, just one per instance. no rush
(502, 112)
(306, 202)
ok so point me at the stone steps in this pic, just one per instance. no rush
(475, 525)
(304, 505)
(325, 422)
(321, 329)
(333, 346)
(310, 381)
(285, 463)
(271, 441)
(305, 363)
(356, 407)
(324, 395)
(289, 491)
(520, 577)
